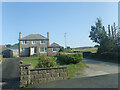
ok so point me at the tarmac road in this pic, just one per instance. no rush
(10, 73)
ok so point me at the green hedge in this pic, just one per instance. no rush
(106, 56)
(45, 61)
(70, 58)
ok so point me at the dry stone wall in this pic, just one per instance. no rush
(40, 75)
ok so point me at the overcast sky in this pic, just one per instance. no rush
(56, 18)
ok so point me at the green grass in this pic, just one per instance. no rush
(32, 60)
(72, 68)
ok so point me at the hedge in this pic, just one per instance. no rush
(70, 58)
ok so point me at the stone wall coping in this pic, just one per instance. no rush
(49, 68)
(25, 64)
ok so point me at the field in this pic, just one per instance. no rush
(72, 68)
(91, 49)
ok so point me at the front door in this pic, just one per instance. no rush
(33, 50)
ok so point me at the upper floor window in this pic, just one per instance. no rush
(54, 49)
(24, 42)
(34, 42)
(43, 41)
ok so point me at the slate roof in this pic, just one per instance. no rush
(14, 47)
(33, 37)
(54, 45)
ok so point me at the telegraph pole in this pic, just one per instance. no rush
(65, 40)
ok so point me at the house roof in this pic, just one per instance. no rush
(14, 47)
(33, 37)
(54, 45)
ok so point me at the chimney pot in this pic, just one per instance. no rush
(20, 36)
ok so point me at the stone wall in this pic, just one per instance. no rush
(40, 75)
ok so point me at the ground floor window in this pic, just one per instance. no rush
(54, 49)
(43, 49)
(22, 49)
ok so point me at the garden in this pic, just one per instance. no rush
(73, 61)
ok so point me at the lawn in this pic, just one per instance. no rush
(72, 68)
(32, 60)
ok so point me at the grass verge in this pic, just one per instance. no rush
(73, 68)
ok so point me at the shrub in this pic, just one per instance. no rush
(109, 55)
(70, 58)
(45, 61)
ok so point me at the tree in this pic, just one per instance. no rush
(112, 31)
(100, 36)
(109, 32)
(109, 41)
(97, 33)
(68, 47)
(62, 49)
(8, 45)
(96, 46)
(16, 44)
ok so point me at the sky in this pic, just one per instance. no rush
(74, 18)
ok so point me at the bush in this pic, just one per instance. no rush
(70, 58)
(109, 55)
(45, 61)
(106, 56)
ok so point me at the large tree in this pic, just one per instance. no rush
(97, 33)
(100, 36)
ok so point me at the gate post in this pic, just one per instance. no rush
(24, 74)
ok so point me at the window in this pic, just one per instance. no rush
(54, 49)
(24, 42)
(22, 49)
(43, 49)
(34, 42)
(43, 41)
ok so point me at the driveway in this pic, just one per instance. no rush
(96, 68)
(98, 74)
(10, 73)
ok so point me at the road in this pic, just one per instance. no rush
(98, 74)
(10, 73)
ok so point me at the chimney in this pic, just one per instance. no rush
(20, 36)
(48, 37)
(19, 42)
(47, 43)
